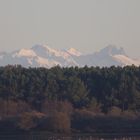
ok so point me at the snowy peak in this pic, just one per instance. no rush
(40, 56)
(25, 53)
(42, 50)
(45, 51)
(45, 56)
(74, 52)
(111, 55)
(112, 50)
(125, 60)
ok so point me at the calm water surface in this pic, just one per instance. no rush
(82, 137)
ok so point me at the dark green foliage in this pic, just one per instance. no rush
(114, 86)
(114, 91)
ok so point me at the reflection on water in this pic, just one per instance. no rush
(44, 137)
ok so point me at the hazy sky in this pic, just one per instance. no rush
(87, 25)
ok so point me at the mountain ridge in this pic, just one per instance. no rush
(45, 56)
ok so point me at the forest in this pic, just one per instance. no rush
(70, 100)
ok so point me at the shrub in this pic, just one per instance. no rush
(29, 120)
(59, 122)
(114, 111)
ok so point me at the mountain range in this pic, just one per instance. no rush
(44, 56)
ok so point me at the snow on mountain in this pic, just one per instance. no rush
(108, 56)
(126, 60)
(39, 56)
(42, 62)
(45, 51)
(118, 55)
(44, 56)
(24, 53)
(62, 58)
(74, 52)
(112, 50)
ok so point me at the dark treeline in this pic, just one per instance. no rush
(88, 99)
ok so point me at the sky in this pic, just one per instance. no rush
(87, 25)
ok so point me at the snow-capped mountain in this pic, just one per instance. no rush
(39, 56)
(74, 52)
(44, 56)
(108, 56)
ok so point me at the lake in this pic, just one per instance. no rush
(58, 137)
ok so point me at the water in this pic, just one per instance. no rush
(78, 137)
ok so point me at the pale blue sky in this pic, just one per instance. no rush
(87, 25)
